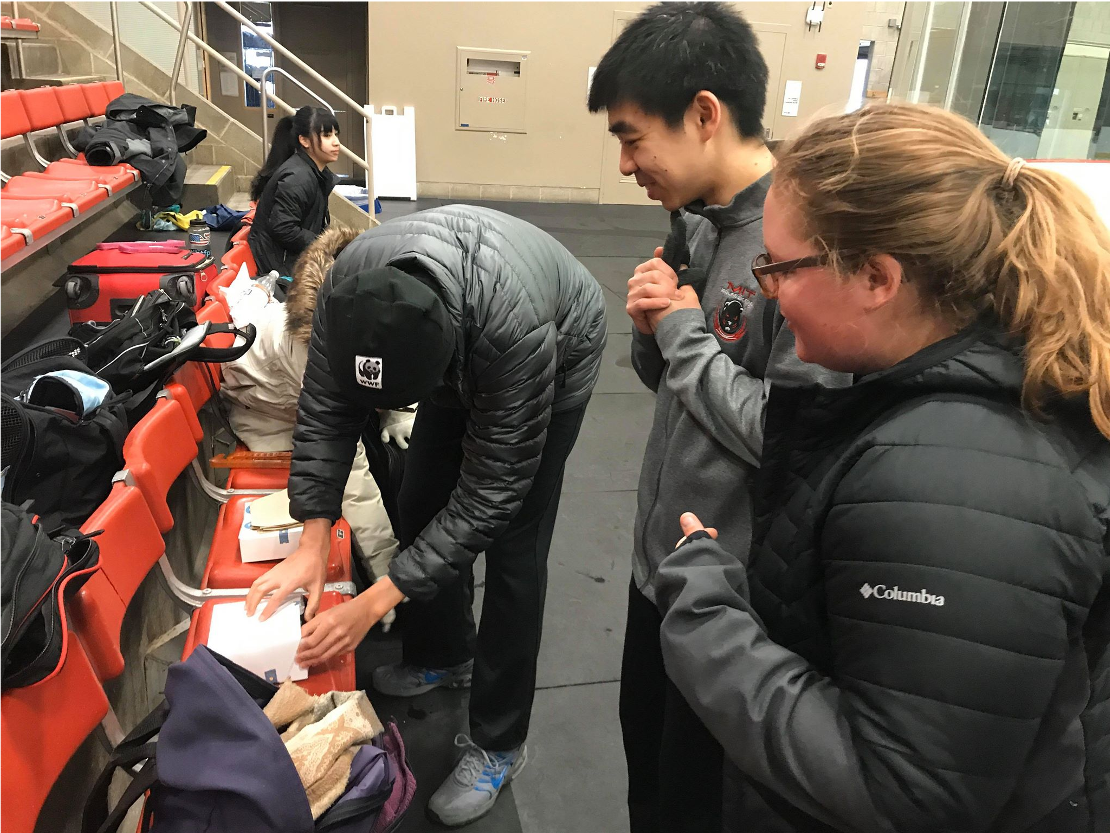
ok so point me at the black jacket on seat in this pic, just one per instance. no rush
(920, 641)
(528, 325)
(291, 213)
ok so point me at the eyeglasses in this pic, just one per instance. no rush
(769, 274)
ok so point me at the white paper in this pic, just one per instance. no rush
(266, 648)
(229, 84)
(791, 98)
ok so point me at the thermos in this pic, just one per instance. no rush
(200, 237)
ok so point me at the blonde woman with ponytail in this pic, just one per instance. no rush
(919, 642)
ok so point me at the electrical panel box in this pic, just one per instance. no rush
(491, 90)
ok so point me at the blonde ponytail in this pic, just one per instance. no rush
(976, 232)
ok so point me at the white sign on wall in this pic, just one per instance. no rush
(791, 98)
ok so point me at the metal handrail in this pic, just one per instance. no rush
(313, 74)
(116, 41)
(224, 62)
(17, 70)
(265, 104)
(365, 164)
(181, 41)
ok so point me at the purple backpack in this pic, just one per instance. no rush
(219, 766)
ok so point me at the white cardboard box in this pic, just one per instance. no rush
(267, 648)
(274, 545)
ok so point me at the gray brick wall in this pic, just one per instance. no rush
(875, 29)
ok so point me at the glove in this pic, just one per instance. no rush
(676, 253)
(397, 426)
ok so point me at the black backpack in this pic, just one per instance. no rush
(38, 573)
(51, 455)
(137, 353)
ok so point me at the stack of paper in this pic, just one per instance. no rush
(266, 648)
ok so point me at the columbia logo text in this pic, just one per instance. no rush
(896, 594)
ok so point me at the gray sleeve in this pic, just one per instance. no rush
(778, 720)
(724, 397)
(646, 359)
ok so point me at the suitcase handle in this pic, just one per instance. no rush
(139, 247)
(226, 354)
(165, 268)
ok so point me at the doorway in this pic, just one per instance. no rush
(332, 38)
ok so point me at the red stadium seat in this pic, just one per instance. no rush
(41, 726)
(96, 95)
(156, 451)
(130, 546)
(33, 218)
(13, 116)
(226, 571)
(82, 195)
(71, 100)
(10, 243)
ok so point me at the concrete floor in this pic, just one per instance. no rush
(575, 778)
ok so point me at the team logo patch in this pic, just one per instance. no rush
(730, 321)
(368, 371)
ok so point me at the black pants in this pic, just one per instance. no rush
(674, 763)
(440, 633)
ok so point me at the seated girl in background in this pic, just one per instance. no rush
(292, 189)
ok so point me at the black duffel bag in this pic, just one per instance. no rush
(56, 451)
(39, 571)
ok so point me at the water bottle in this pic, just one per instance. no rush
(200, 237)
(255, 299)
(268, 282)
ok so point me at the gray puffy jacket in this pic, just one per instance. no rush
(529, 332)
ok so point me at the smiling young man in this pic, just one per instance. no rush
(684, 89)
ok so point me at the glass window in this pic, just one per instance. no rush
(258, 56)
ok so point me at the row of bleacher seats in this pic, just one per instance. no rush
(36, 203)
(41, 726)
(21, 24)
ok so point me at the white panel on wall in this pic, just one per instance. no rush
(152, 38)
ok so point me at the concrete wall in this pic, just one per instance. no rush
(413, 58)
(876, 18)
(153, 39)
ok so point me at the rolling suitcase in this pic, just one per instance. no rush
(104, 284)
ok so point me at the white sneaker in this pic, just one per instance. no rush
(471, 789)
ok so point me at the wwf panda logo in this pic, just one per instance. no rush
(368, 371)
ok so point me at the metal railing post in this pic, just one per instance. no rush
(17, 71)
(313, 74)
(180, 52)
(263, 93)
(115, 40)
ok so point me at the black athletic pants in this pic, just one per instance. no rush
(674, 763)
(441, 632)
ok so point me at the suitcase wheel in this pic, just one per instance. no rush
(80, 292)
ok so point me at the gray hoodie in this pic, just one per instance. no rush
(711, 371)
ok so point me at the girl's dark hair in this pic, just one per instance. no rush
(310, 122)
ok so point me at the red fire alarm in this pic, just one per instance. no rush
(821, 56)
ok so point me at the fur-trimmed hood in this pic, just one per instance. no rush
(308, 276)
